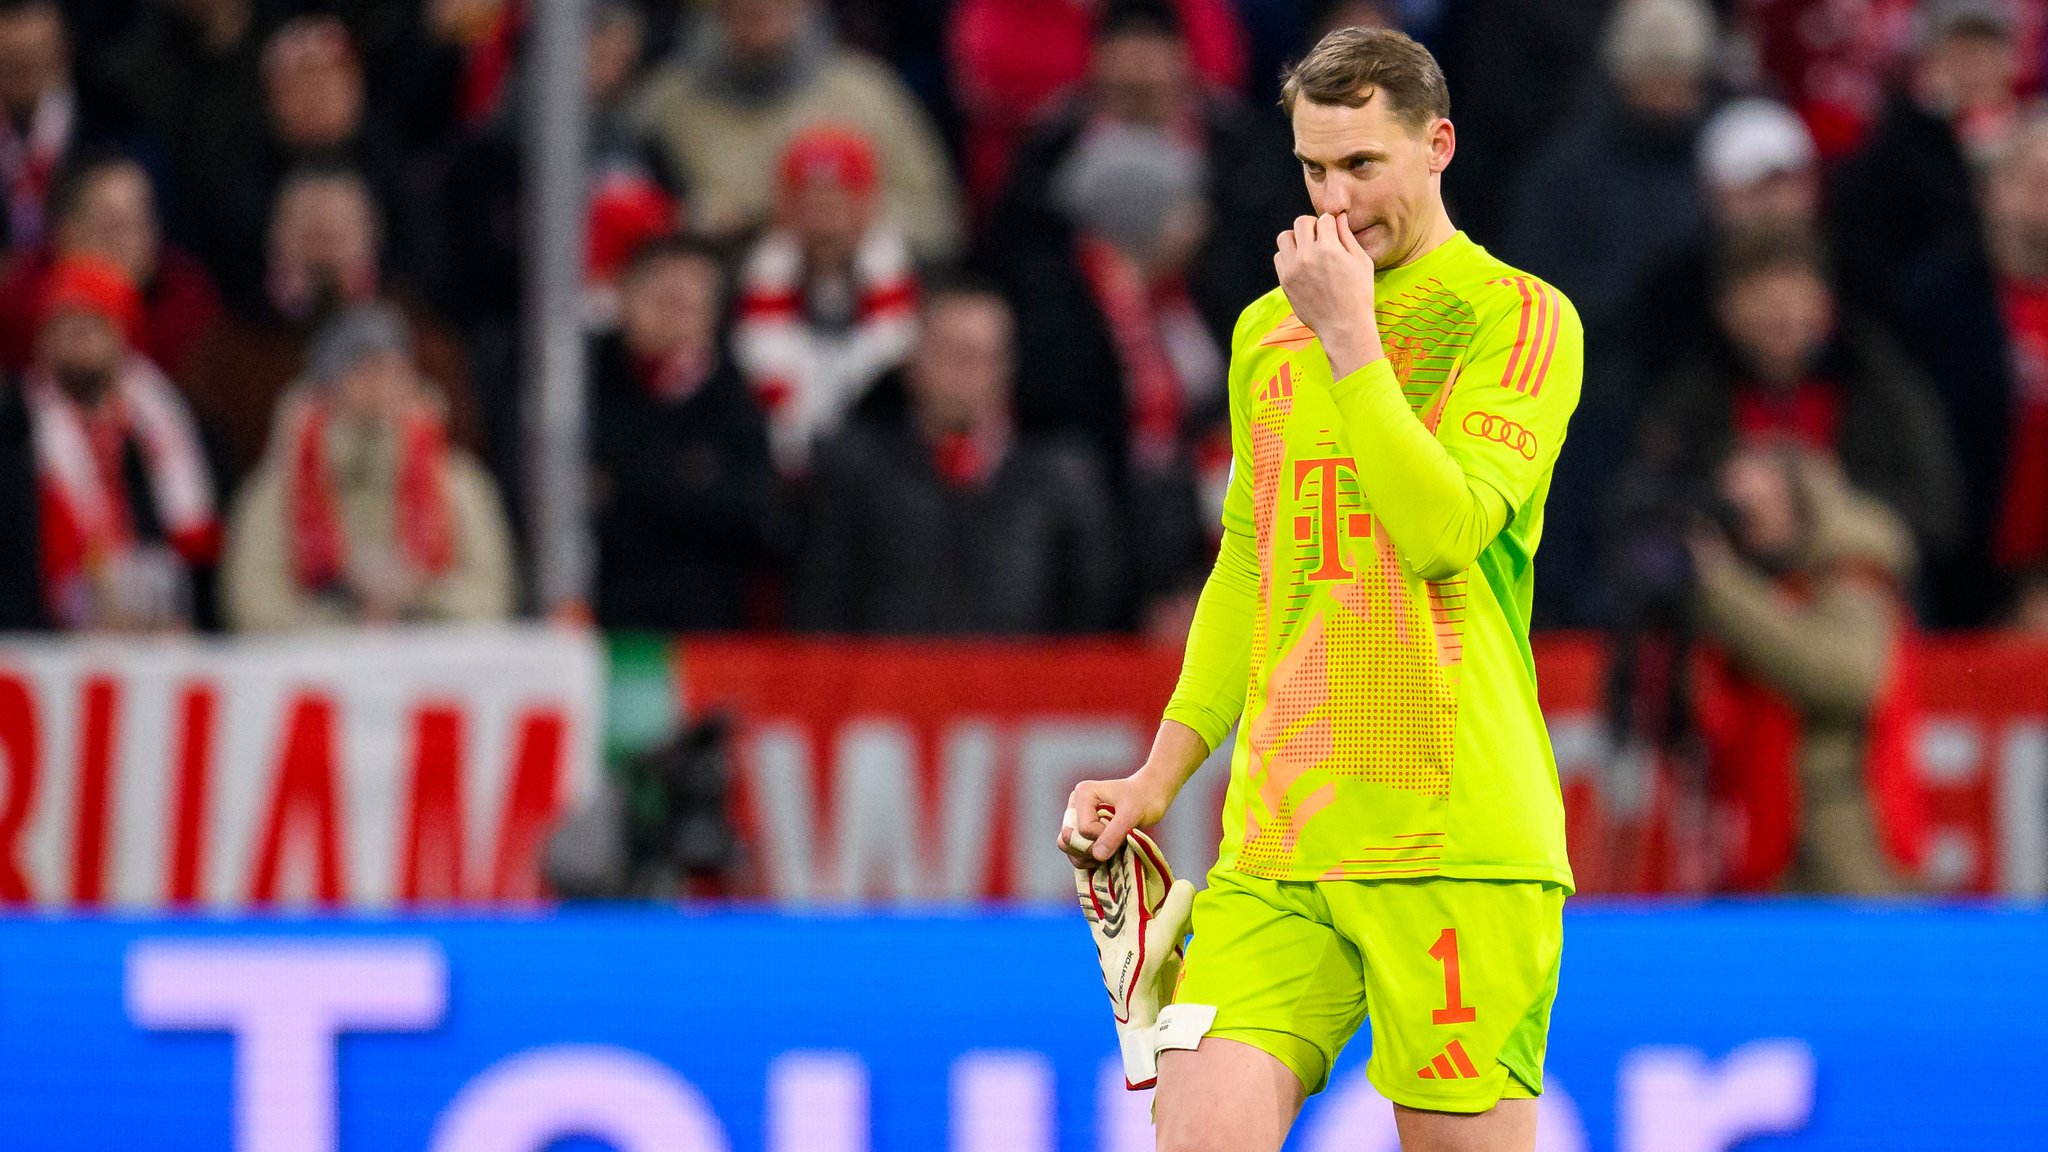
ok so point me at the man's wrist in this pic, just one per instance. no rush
(1350, 348)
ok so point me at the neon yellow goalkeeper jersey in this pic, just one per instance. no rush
(1369, 613)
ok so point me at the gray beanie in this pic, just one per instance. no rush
(352, 336)
(1121, 180)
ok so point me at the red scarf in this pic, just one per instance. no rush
(1808, 414)
(968, 460)
(1136, 310)
(319, 537)
(86, 514)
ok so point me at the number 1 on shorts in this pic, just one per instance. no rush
(1453, 1012)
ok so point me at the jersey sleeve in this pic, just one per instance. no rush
(1216, 668)
(1504, 421)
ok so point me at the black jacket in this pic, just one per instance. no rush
(21, 600)
(684, 497)
(1911, 249)
(890, 547)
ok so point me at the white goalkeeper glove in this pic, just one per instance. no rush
(1139, 915)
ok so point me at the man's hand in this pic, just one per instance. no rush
(1100, 813)
(1328, 280)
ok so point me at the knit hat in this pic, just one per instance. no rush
(829, 152)
(353, 336)
(1121, 180)
(96, 285)
(1750, 139)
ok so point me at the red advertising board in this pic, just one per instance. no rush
(929, 772)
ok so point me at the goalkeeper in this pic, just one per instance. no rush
(1393, 836)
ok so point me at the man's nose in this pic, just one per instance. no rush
(1332, 198)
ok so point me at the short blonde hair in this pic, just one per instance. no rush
(1350, 65)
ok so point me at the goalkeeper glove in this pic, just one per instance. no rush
(1139, 916)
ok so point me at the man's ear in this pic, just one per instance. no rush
(1443, 144)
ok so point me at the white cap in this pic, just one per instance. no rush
(1751, 138)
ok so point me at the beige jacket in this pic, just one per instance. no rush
(260, 594)
(726, 151)
(1829, 655)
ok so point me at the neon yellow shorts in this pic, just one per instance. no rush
(1457, 977)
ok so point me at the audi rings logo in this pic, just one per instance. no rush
(1502, 430)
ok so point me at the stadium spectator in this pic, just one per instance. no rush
(361, 512)
(21, 608)
(755, 75)
(191, 71)
(44, 114)
(1909, 228)
(1519, 67)
(2016, 210)
(322, 256)
(951, 520)
(1117, 350)
(126, 527)
(314, 113)
(1790, 367)
(1012, 58)
(1624, 163)
(682, 482)
(1806, 713)
(1758, 169)
(827, 298)
(632, 199)
(106, 207)
(1830, 59)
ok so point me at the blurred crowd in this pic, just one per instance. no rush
(913, 316)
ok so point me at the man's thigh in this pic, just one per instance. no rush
(1509, 1126)
(1224, 1096)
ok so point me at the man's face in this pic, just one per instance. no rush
(115, 217)
(324, 228)
(1664, 94)
(1368, 166)
(670, 304)
(762, 32)
(1779, 319)
(34, 55)
(960, 373)
(2016, 205)
(315, 90)
(377, 389)
(1970, 70)
(1781, 199)
(829, 219)
(611, 56)
(82, 350)
(1141, 77)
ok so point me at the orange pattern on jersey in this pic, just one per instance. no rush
(1535, 334)
(1290, 332)
(1365, 686)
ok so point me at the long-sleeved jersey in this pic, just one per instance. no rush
(1369, 613)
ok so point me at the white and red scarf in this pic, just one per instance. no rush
(319, 533)
(87, 516)
(1168, 358)
(807, 379)
(28, 163)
